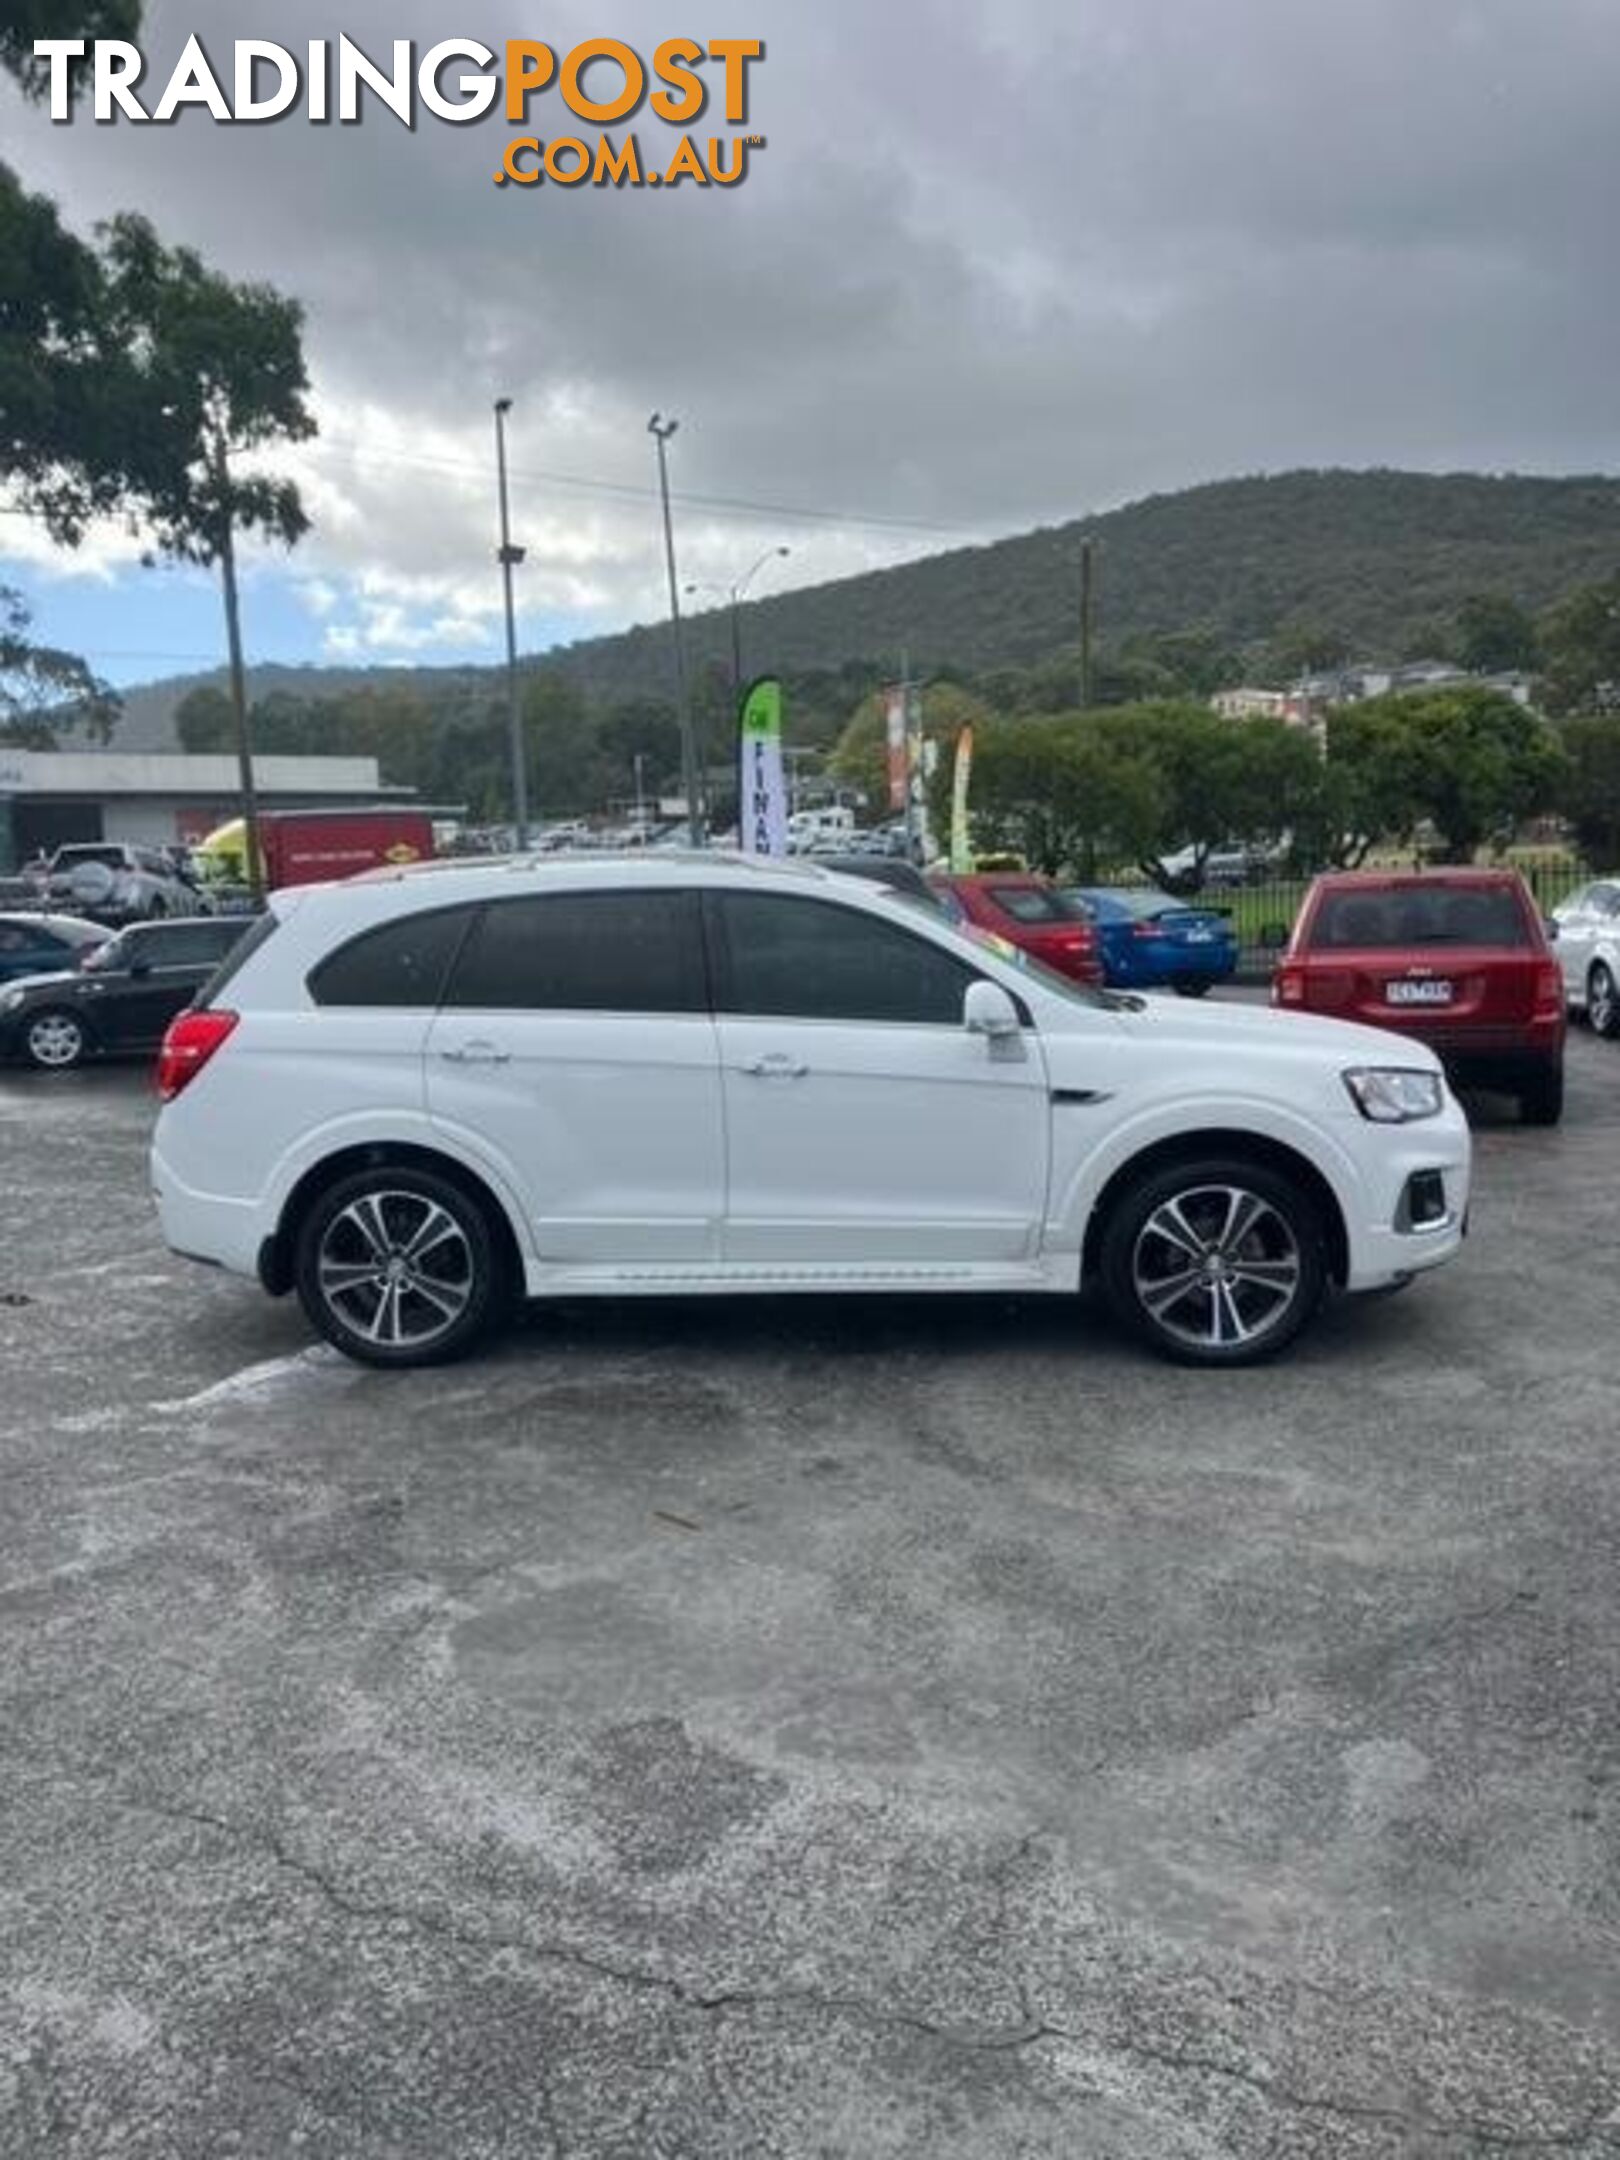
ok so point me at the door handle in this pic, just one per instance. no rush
(476, 1053)
(778, 1066)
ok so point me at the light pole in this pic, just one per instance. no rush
(737, 592)
(639, 761)
(661, 430)
(509, 559)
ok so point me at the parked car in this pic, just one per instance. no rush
(45, 944)
(1147, 939)
(1455, 959)
(120, 883)
(1586, 944)
(119, 999)
(1029, 912)
(890, 870)
(411, 1099)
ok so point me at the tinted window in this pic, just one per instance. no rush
(1037, 904)
(190, 944)
(14, 939)
(1606, 899)
(813, 960)
(402, 963)
(630, 952)
(1420, 916)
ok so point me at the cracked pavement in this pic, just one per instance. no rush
(806, 1728)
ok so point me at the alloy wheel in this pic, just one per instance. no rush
(396, 1269)
(1217, 1267)
(1602, 1002)
(55, 1040)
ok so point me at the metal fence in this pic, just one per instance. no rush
(1262, 911)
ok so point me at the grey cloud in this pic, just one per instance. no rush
(998, 263)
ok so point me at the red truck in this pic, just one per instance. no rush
(313, 847)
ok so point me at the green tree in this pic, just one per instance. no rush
(1220, 780)
(1580, 645)
(1054, 791)
(1494, 634)
(1590, 795)
(204, 721)
(45, 693)
(1472, 762)
(22, 22)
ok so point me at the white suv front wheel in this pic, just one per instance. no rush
(1216, 1262)
(398, 1267)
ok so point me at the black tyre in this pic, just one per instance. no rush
(399, 1267)
(1190, 985)
(1215, 1262)
(1541, 1100)
(1603, 1001)
(56, 1040)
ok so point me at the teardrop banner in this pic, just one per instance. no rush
(762, 817)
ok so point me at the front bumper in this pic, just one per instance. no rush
(1385, 1244)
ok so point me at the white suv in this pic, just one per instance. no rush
(416, 1095)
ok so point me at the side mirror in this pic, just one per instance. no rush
(1551, 928)
(140, 966)
(987, 1010)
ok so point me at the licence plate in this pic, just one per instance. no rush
(1200, 937)
(1417, 993)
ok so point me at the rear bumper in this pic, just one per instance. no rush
(203, 1226)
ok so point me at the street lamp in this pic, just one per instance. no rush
(509, 558)
(737, 592)
(733, 595)
(661, 430)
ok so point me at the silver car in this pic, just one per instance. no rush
(1588, 947)
(117, 882)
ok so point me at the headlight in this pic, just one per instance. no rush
(1394, 1094)
(10, 1000)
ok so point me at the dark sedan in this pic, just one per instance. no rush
(45, 944)
(120, 1000)
(1146, 939)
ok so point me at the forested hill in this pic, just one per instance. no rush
(1382, 559)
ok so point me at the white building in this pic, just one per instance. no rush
(50, 797)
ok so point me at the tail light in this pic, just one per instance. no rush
(1288, 987)
(1145, 930)
(191, 1041)
(1549, 990)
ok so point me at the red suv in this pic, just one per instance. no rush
(1029, 912)
(1458, 959)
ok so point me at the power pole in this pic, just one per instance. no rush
(1088, 603)
(661, 430)
(510, 557)
(239, 705)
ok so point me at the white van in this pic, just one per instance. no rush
(812, 828)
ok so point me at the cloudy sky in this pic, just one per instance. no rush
(999, 262)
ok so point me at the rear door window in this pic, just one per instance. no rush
(619, 952)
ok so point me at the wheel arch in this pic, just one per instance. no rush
(276, 1254)
(1229, 1144)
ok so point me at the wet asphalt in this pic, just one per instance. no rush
(807, 1727)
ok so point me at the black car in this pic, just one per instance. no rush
(120, 1000)
(901, 877)
(45, 944)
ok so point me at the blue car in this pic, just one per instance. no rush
(1146, 940)
(45, 944)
